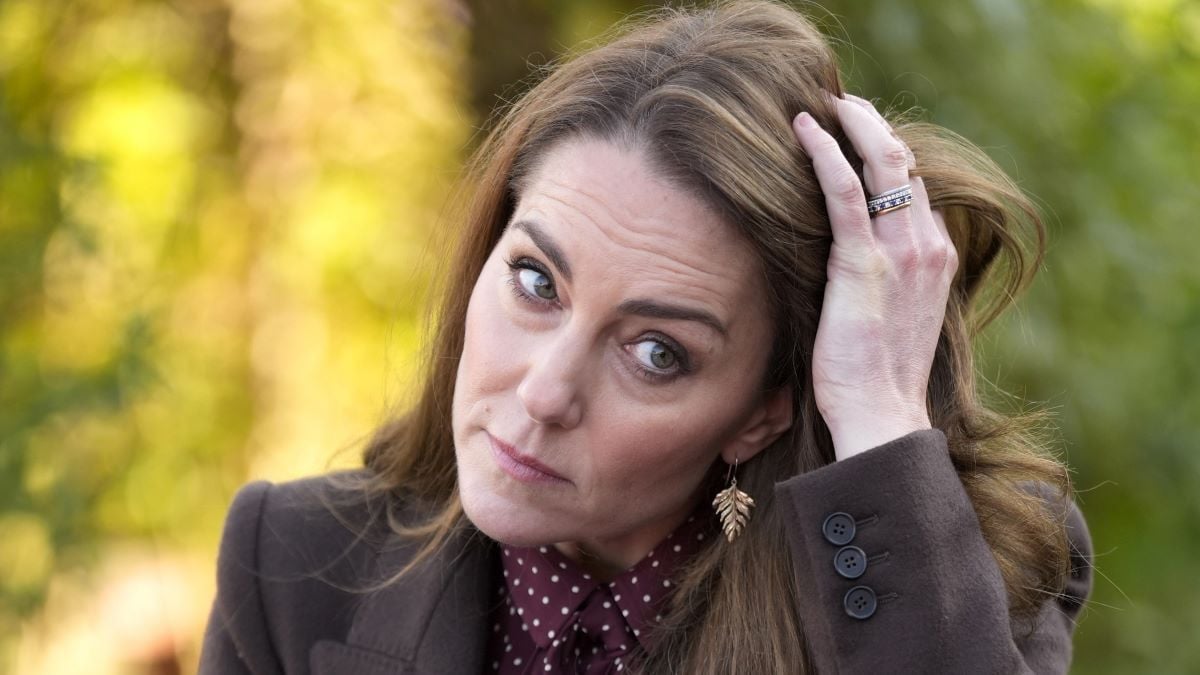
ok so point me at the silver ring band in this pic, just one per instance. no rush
(891, 200)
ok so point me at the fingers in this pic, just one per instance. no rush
(885, 158)
(844, 197)
(885, 167)
(916, 231)
(936, 239)
(870, 107)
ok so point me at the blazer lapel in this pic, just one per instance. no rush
(433, 621)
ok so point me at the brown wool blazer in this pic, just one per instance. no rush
(931, 592)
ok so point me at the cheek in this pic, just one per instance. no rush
(491, 344)
(662, 450)
(664, 453)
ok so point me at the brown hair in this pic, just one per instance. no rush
(709, 94)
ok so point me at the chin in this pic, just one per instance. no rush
(501, 517)
(504, 521)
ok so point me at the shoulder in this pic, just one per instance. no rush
(294, 560)
(1078, 584)
(282, 527)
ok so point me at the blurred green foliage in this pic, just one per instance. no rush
(213, 221)
(1091, 106)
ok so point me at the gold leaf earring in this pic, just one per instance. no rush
(733, 506)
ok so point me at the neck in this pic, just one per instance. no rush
(606, 557)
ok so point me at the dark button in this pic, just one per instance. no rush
(838, 528)
(850, 562)
(860, 602)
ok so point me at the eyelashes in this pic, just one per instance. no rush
(682, 365)
(515, 268)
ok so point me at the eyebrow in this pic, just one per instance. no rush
(638, 306)
(544, 242)
(658, 310)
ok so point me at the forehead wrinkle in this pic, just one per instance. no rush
(682, 281)
(560, 183)
(636, 240)
(698, 286)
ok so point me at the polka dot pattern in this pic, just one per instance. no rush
(554, 617)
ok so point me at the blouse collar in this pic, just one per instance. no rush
(551, 592)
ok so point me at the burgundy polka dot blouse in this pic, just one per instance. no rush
(552, 617)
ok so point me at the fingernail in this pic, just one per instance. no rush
(805, 120)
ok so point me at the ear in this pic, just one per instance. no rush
(766, 423)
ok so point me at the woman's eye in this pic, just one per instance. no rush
(535, 283)
(656, 355)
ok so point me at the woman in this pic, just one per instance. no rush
(701, 400)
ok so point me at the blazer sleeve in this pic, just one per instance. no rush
(236, 640)
(894, 574)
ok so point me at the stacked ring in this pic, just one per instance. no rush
(890, 201)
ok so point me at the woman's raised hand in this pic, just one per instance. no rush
(888, 282)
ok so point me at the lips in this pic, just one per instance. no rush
(522, 466)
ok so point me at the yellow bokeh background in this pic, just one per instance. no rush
(231, 291)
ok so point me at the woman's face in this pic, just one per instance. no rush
(617, 337)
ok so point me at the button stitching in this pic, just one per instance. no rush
(864, 596)
(833, 529)
(839, 563)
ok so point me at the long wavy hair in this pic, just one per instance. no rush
(709, 95)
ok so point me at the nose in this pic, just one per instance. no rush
(550, 389)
